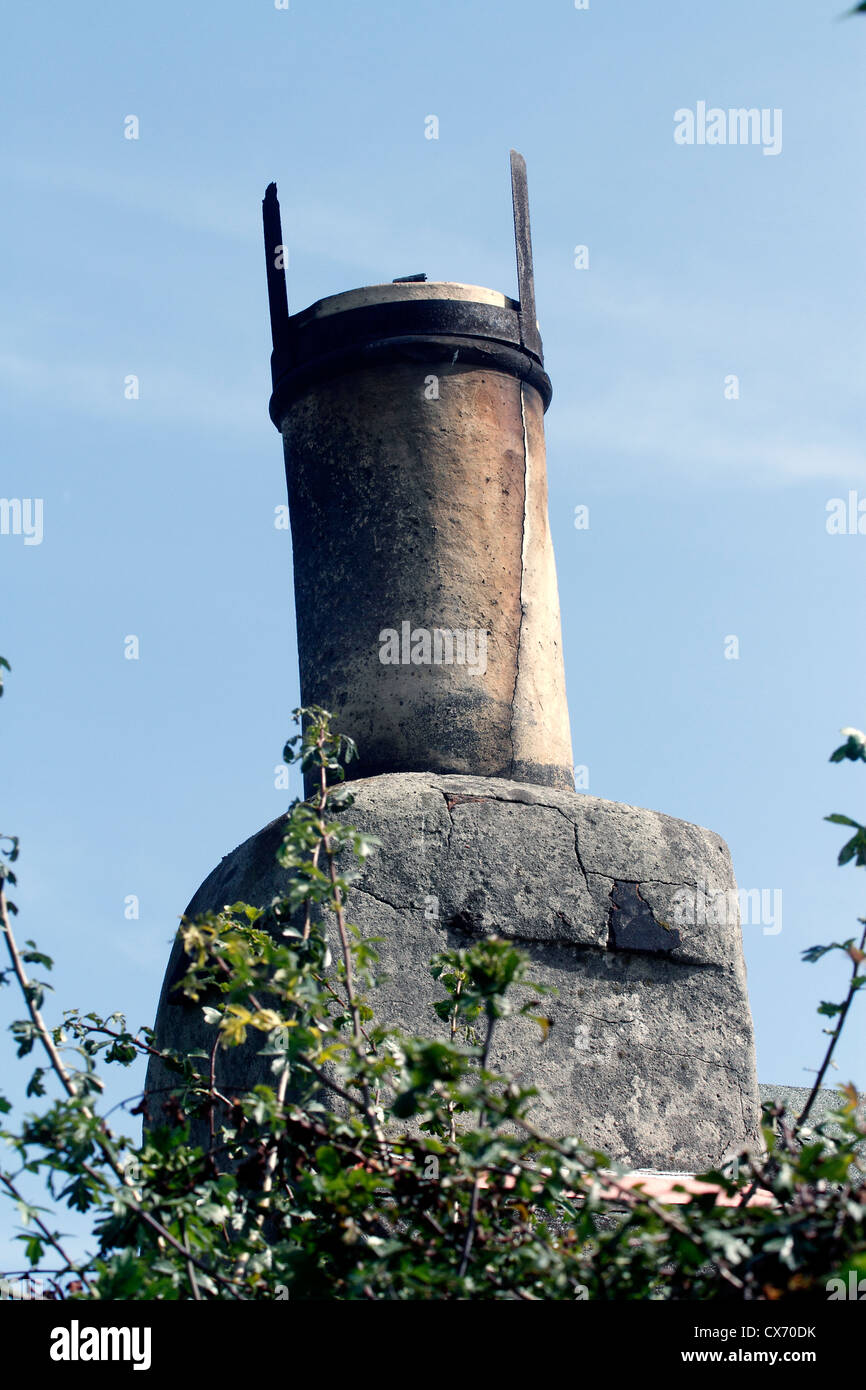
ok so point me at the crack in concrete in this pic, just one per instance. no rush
(577, 854)
(671, 1052)
(453, 799)
(450, 817)
(745, 1128)
(691, 1056)
(610, 939)
(395, 907)
(523, 538)
(665, 882)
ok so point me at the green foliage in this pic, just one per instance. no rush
(377, 1165)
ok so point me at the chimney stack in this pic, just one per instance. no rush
(412, 417)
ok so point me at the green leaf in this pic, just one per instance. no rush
(37, 958)
(328, 1160)
(814, 953)
(830, 1010)
(34, 1085)
(848, 851)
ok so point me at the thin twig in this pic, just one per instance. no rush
(852, 990)
(52, 1240)
(472, 1219)
(102, 1136)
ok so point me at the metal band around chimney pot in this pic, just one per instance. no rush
(432, 323)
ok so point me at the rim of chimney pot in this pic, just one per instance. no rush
(444, 323)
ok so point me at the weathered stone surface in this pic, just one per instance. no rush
(651, 1053)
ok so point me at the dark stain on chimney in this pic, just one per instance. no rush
(632, 925)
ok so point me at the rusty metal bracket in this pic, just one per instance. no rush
(278, 300)
(530, 337)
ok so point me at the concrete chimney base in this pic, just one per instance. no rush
(631, 915)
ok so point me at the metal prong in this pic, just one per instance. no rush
(529, 334)
(278, 301)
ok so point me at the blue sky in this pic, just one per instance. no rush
(707, 515)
